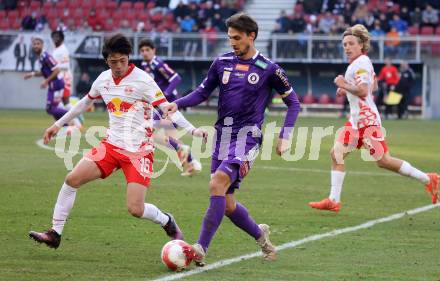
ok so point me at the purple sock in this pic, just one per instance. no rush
(173, 143)
(190, 158)
(213, 217)
(241, 218)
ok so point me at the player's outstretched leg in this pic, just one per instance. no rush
(83, 172)
(240, 217)
(430, 180)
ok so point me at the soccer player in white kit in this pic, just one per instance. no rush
(130, 95)
(364, 126)
(62, 56)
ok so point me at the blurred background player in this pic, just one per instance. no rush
(130, 95)
(245, 79)
(167, 80)
(364, 126)
(53, 81)
(62, 56)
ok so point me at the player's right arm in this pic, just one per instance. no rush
(198, 95)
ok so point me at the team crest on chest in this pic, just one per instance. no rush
(225, 78)
(253, 78)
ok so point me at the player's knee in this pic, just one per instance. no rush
(230, 208)
(382, 163)
(136, 210)
(216, 187)
(72, 180)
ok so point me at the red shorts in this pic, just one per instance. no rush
(370, 137)
(67, 86)
(137, 167)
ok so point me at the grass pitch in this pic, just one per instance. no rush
(101, 241)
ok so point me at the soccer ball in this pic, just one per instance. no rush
(173, 256)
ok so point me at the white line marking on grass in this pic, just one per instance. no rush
(293, 244)
(41, 144)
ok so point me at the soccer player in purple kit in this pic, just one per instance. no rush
(53, 81)
(167, 80)
(245, 79)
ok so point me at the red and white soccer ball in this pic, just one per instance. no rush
(174, 257)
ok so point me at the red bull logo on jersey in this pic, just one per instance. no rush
(129, 90)
(118, 107)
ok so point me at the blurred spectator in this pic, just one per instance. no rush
(297, 24)
(181, 11)
(94, 21)
(404, 86)
(187, 24)
(388, 79)
(340, 24)
(20, 53)
(416, 17)
(124, 26)
(218, 23)
(83, 86)
(405, 15)
(384, 23)
(392, 42)
(429, 16)
(400, 25)
(283, 22)
(326, 22)
(29, 22)
(210, 34)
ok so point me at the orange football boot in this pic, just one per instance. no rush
(326, 204)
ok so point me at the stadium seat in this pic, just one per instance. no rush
(112, 5)
(340, 100)
(125, 5)
(427, 30)
(61, 5)
(151, 5)
(138, 6)
(4, 24)
(324, 99)
(413, 30)
(308, 99)
(417, 100)
(35, 5)
(2, 14)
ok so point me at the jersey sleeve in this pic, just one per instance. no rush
(50, 61)
(94, 92)
(280, 82)
(153, 94)
(362, 73)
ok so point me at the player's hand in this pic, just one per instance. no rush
(50, 132)
(340, 81)
(201, 134)
(169, 109)
(340, 92)
(28, 75)
(44, 84)
(282, 146)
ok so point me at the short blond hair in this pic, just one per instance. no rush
(361, 32)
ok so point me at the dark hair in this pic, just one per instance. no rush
(117, 43)
(244, 23)
(146, 43)
(58, 33)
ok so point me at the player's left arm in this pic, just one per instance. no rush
(281, 84)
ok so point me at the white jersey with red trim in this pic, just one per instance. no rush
(130, 101)
(62, 56)
(363, 111)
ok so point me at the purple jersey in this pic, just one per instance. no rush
(245, 89)
(164, 76)
(48, 64)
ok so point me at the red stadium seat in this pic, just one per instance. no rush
(340, 100)
(324, 99)
(150, 5)
(142, 15)
(61, 5)
(427, 30)
(35, 5)
(138, 6)
(16, 25)
(13, 14)
(47, 6)
(413, 30)
(111, 5)
(417, 101)
(4, 24)
(437, 30)
(309, 99)
(2, 14)
(125, 5)
(100, 4)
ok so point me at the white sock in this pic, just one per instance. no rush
(337, 179)
(66, 198)
(155, 215)
(407, 170)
